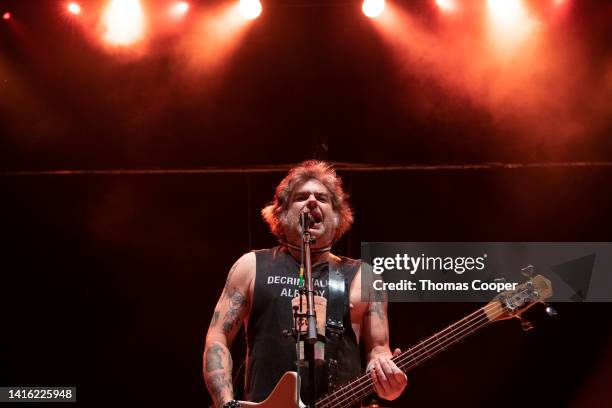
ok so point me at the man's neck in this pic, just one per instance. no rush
(316, 257)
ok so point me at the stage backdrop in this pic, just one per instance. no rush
(109, 281)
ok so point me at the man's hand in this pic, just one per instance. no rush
(389, 380)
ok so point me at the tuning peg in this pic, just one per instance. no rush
(526, 325)
(550, 311)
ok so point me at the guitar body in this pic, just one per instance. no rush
(283, 395)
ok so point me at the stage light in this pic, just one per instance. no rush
(6, 16)
(511, 26)
(124, 22)
(446, 5)
(510, 16)
(373, 8)
(74, 8)
(180, 8)
(250, 8)
(505, 11)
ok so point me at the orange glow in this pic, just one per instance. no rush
(124, 22)
(505, 12)
(530, 90)
(213, 38)
(180, 8)
(373, 8)
(6, 16)
(74, 8)
(446, 5)
(250, 9)
(510, 24)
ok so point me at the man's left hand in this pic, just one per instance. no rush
(389, 380)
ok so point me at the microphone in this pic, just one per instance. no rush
(306, 220)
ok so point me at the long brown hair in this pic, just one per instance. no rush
(297, 176)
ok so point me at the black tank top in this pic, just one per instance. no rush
(269, 353)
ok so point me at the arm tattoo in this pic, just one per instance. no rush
(218, 371)
(214, 358)
(219, 382)
(215, 318)
(237, 303)
(376, 308)
(229, 276)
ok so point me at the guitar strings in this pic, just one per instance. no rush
(465, 331)
(401, 359)
(364, 384)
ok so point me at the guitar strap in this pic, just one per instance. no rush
(334, 328)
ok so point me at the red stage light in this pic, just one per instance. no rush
(510, 25)
(124, 21)
(6, 16)
(373, 8)
(505, 11)
(446, 5)
(250, 9)
(180, 8)
(74, 8)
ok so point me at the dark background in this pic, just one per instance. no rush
(110, 273)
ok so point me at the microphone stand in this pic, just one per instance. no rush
(310, 310)
(306, 288)
(311, 317)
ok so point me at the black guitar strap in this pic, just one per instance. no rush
(336, 308)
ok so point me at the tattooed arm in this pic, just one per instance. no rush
(376, 331)
(389, 380)
(232, 309)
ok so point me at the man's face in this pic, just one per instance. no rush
(314, 197)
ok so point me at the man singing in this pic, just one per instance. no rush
(262, 286)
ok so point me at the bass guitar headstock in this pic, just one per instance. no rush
(513, 303)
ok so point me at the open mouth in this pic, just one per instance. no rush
(316, 225)
(318, 218)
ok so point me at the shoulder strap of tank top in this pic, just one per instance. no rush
(336, 306)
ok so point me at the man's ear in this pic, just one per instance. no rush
(336, 220)
(336, 223)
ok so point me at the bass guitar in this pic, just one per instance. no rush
(506, 305)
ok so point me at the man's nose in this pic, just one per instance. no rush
(311, 202)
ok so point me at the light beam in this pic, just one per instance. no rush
(180, 8)
(124, 22)
(250, 9)
(74, 8)
(446, 5)
(373, 8)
